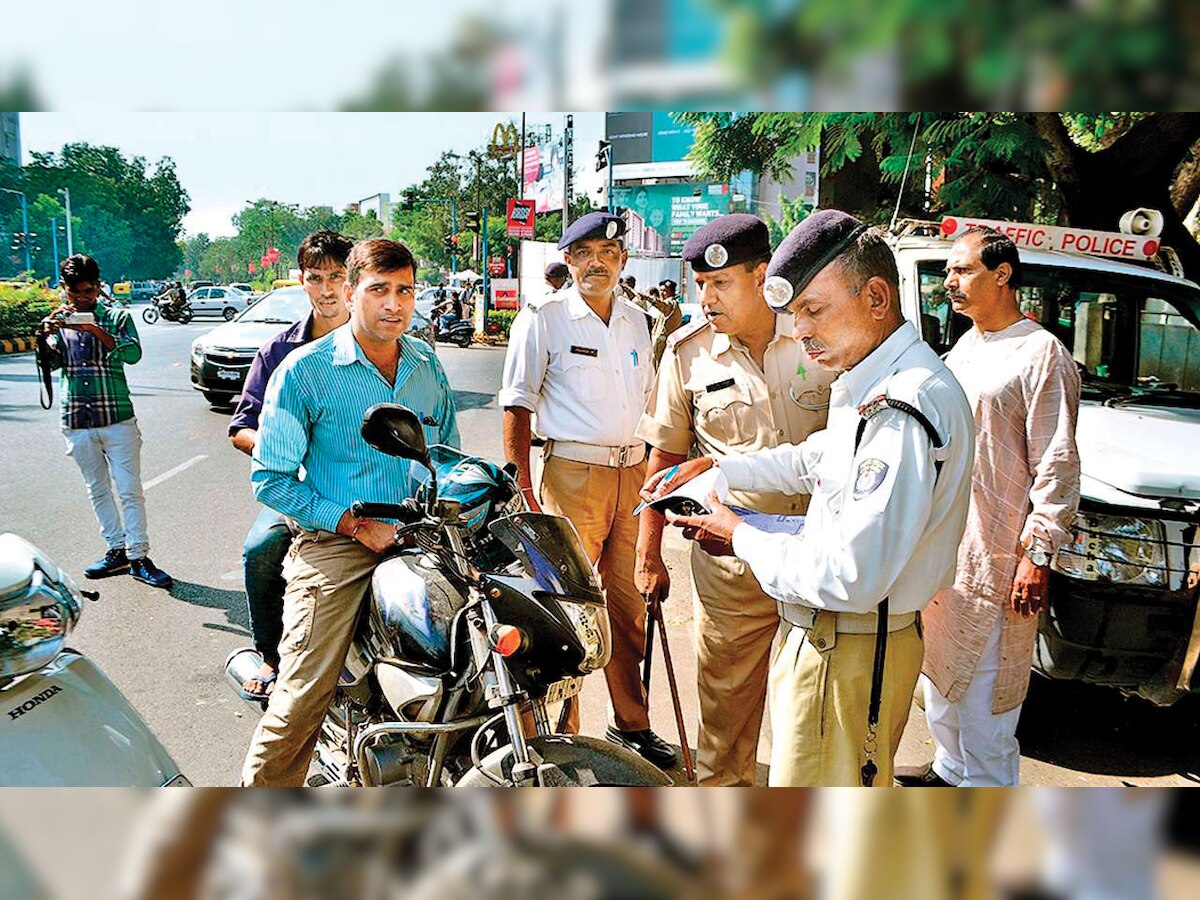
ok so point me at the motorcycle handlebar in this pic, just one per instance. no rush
(403, 512)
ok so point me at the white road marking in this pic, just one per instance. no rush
(171, 473)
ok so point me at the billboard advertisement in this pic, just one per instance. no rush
(545, 175)
(673, 211)
(520, 218)
(648, 144)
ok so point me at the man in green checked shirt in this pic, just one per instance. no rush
(97, 418)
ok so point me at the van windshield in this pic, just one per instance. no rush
(1133, 338)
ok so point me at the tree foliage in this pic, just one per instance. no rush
(125, 212)
(1080, 169)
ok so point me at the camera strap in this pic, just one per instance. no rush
(41, 355)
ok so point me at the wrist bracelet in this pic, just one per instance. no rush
(358, 523)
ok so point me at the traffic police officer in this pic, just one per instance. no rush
(581, 360)
(734, 382)
(889, 478)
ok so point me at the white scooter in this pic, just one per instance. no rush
(62, 722)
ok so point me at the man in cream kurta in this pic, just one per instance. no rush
(979, 634)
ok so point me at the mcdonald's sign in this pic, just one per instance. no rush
(505, 140)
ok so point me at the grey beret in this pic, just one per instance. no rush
(812, 245)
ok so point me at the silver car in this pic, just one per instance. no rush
(226, 301)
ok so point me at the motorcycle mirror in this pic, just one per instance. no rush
(395, 430)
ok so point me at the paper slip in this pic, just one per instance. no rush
(691, 498)
(770, 523)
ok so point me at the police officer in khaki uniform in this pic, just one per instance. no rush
(734, 382)
(890, 478)
(581, 360)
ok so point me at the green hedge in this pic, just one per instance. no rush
(22, 307)
(500, 320)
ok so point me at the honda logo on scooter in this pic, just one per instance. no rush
(29, 705)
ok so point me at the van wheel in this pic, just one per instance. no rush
(229, 313)
(219, 399)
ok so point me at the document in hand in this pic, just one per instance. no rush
(769, 522)
(691, 498)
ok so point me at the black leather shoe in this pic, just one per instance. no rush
(147, 572)
(646, 744)
(919, 776)
(114, 563)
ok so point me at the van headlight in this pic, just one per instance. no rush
(1116, 550)
(197, 352)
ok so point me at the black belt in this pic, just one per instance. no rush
(868, 411)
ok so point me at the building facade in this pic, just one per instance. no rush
(10, 137)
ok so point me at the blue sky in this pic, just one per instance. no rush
(308, 158)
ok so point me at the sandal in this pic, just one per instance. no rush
(266, 681)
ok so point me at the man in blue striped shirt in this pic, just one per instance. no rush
(310, 421)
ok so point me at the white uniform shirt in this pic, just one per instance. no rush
(586, 381)
(878, 526)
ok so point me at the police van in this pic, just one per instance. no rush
(1123, 593)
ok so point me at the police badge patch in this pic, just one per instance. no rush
(611, 231)
(871, 473)
(716, 256)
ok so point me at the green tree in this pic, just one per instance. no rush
(1078, 169)
(359, 227)
(142, 204)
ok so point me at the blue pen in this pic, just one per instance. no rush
(670, 474)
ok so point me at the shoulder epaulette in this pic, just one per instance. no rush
(687, 332)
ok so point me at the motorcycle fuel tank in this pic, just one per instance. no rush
(68, 726)
(413, 605)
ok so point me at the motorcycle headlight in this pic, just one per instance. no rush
(197, 352)
(34, 623)
(594, 633)
(1116, 550)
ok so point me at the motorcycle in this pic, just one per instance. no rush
(168, 310)
(65, 723)
(485, 617)
(453, 330)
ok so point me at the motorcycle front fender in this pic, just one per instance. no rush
(585, 761)
(67, 725)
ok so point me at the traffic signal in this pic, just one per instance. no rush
(603, 155)
(450, 244)
(472, 221)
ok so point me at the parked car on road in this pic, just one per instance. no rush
(225, 301)
(221, 359)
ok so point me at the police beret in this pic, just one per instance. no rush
(598, 225)
(557, 270)
(812, 245)
(667, 282)
(727, 241)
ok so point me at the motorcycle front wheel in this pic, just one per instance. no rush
(150, 315)
(582, 761)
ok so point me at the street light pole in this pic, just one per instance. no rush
(24, 226)
(54, 232)
(66, 192)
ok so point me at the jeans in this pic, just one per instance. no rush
(262, 563)
(107, 457)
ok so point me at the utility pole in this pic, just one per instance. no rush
(24, 226)
(54, 232)
(568, 167)
(66, 192)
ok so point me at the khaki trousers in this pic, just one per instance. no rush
(735, 624)
(820, 685)
(327, 577)
(599, 501)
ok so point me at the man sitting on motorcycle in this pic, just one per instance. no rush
(311, 415)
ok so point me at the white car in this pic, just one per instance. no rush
(226, 301)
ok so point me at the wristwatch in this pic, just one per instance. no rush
(1039, 557)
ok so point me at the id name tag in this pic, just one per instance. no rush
(585, 351)
(720, 385)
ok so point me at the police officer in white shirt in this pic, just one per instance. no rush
(889, 479)
(581, 359)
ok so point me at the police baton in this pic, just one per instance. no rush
(654, 618)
